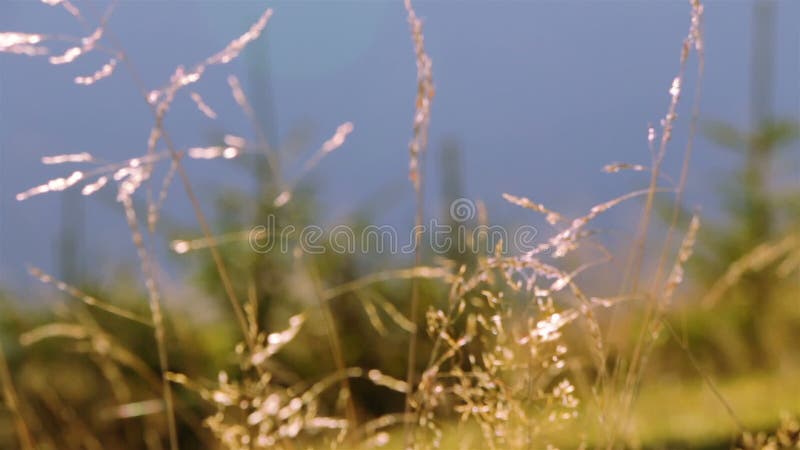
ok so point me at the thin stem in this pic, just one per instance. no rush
(10, 396)
(706, 377)
(633, 270)
(201, 218)
(687, 156)
(336, 346)
(412, 345)
(157, 317)
(417, 146)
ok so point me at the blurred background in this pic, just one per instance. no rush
(532, 98)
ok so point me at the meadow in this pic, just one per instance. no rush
(458, 333)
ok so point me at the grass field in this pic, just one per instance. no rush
(689, 340)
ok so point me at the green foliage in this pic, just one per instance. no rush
(759, 212)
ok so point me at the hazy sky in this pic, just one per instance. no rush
(539, 95)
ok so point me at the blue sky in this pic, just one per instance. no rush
(539, 95)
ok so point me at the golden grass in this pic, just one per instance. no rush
(499, 371)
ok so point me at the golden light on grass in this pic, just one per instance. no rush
(518, 344)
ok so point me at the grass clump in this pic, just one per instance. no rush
(519, 350)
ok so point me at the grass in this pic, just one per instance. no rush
(688, 413)
(684, 414)
(513, 351)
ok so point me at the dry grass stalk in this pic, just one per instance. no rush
(419, 142)
(157, 318)
(498, 360)
(85, 298)
(756, 259)
(693, 40)
(138, 170)
(202, 106)
(334, 142)
(273, 160)
(26, 441)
